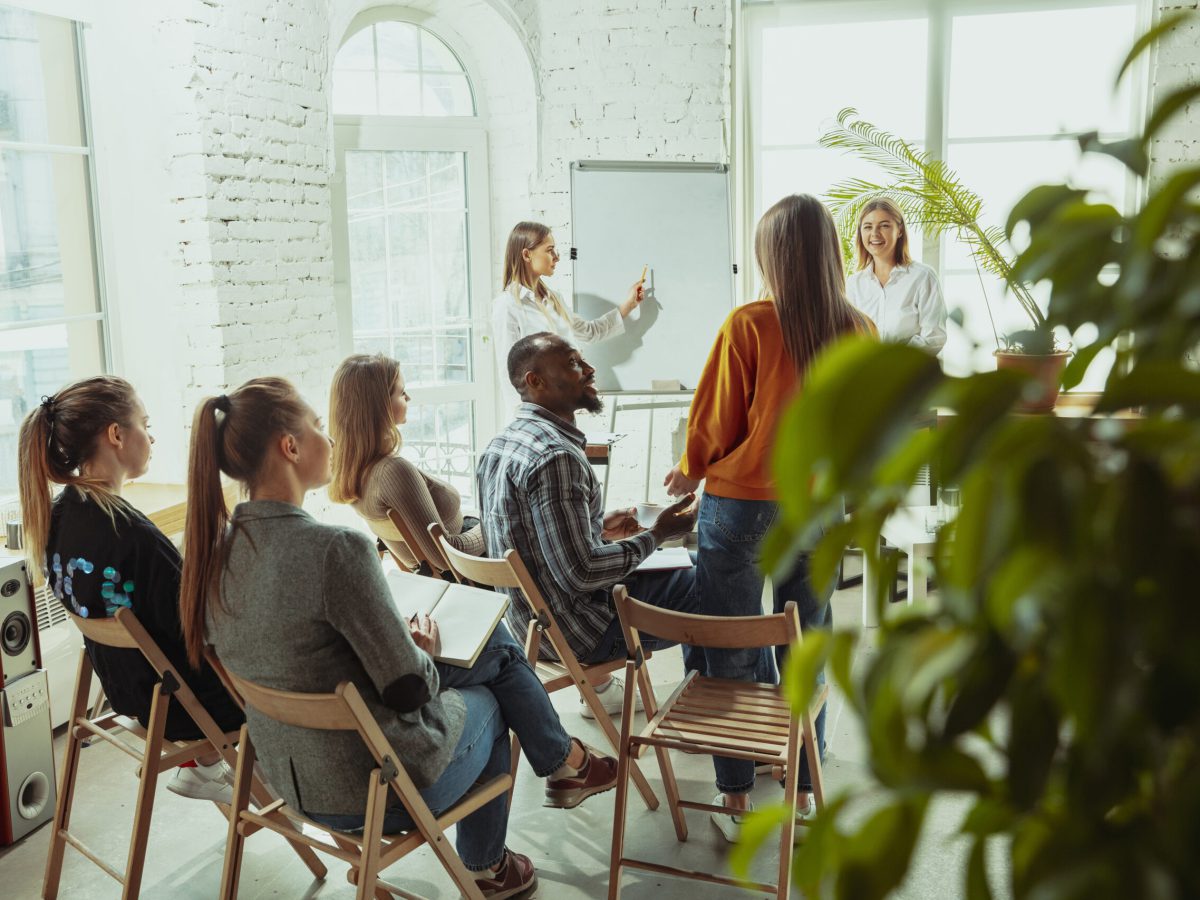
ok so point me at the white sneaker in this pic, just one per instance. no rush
(612, 698)
(729, 824)
(199, 782)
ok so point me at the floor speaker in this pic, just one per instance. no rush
(27, 787)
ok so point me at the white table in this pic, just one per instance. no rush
(906, 530)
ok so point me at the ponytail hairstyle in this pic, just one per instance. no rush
(800, 258)
(527, 236)
(360, 421)
(231, 435)
(56, 441)
(900, 256)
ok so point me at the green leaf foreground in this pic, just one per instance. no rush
(1056, 684)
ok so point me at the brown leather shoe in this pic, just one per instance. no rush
(515, 879)
(599, 774)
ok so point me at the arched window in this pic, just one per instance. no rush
(394, 68)
(411, 245)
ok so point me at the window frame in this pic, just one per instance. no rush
(456, 134)
(79, 21)
(757, 16)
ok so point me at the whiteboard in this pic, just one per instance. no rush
(675, 217)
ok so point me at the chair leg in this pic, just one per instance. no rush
(66, 781)
(516, 762)
(235, 841)
(148, 783)
(604, 720)
(368, 863)
(788, 832)
(620, 810)
(261, 797)
(808, 723)
(381, 893)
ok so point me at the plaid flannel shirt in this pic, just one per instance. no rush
(539, 496)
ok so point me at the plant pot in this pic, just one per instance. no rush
(1046, 370)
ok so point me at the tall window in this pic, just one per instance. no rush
(411, 232)
(51, 316)
(997, 88)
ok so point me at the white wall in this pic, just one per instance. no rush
(213, 144)
(1175, 63)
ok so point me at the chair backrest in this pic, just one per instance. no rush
(395, 528)
(497, 573)
(724, 632)
(324, 712)
(343, 710)
(125, 630)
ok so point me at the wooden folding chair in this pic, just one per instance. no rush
(370, 852)
(394, 528)
(510, 572)
(158, 754)
(715, 717)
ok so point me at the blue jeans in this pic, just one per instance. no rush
(673, 589)
(729, 582)
(501, 691)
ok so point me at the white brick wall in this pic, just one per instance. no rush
(1176, 63)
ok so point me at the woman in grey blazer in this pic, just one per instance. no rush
(294, 604)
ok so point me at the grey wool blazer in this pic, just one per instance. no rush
(306, 606)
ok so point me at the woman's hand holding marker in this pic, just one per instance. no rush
(636, 294)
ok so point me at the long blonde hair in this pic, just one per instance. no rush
(900, 256)
(230, 434)
(800, 258)
(517, 273)
(56, 440)
(360, 421)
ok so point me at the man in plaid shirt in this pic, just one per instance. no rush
(539, 496)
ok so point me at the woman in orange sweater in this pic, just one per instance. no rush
(755, 367)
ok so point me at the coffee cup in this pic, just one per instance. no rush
(647, 513)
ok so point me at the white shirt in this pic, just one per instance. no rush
(517, 312)
(908, 309)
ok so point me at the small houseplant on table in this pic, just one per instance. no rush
(934, 199)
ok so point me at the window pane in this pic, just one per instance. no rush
(439, 439)
(354, 93)
(357, 53)
(807, 76)
(447, 95)
(1002, 173)
(46, 264)
(396, 47)
(436, 56)
(399, 69)
(39, 80)
(399, 94)
(408, 279)
(35, 362)
(1061, 81)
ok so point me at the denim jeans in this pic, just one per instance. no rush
(673, 589)
(501, 691)
(729, 582)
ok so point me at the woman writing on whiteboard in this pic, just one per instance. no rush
(527, 306)
(901, 296)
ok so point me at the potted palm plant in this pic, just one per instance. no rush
(933, 198)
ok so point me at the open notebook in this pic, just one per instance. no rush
(465, 616)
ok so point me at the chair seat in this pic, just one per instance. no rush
(718, 716)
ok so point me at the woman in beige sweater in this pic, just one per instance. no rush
(367, 403)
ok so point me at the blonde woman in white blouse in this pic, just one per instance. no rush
(900, 295)
(527, 306)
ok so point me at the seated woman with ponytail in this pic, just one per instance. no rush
(298, 605)
(99, 554)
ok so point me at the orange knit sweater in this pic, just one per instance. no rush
(744, 388)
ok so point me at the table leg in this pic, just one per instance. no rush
(918, 566)
(869, 581)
